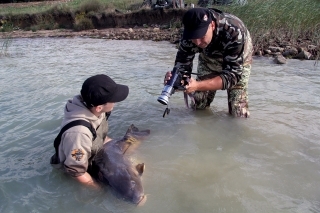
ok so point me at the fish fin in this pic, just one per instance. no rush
(140, 168)
(193, 101)
(185, 96)
(139, 134)
(132, 128)
(132, 139)
(186, 100)
(128, 144)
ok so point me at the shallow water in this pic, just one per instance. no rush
(202, 161)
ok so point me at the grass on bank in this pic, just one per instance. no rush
(259, 15)
(278, 19)
(281, 19)
(73, 5)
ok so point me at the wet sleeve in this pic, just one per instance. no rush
(186, 53)
(232, 65)
(77, 149)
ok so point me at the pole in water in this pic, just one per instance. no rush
(166, 112)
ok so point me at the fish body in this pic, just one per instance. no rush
(113, 167)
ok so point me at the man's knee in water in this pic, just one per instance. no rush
(239, 109)
(203, 99)
(238, 102)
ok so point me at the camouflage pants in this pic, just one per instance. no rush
(237, 95)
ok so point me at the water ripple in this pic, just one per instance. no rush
(268, 163)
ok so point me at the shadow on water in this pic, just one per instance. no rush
(196, 161)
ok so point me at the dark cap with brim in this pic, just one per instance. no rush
(196, 22)
(101, 89)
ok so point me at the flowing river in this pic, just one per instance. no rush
(196, 161)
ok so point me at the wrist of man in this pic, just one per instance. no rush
(210, 84)
(107, 139)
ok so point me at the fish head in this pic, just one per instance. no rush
(126, 182)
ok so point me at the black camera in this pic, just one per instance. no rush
(178, 81)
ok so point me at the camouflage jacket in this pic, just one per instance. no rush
(230, 45)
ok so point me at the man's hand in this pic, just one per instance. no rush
(87, 180)
(107, 139)
(192, 86)
(167, 77)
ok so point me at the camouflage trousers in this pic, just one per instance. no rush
(237, 95)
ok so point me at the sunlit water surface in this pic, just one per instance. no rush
(202, 161)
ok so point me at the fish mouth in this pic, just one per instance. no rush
(142, 200)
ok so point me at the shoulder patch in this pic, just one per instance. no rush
(77, 154)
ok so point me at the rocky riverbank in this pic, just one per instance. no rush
(301, 49)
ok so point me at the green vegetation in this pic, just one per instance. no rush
(280, 20)
(73, 5)
(293, 16)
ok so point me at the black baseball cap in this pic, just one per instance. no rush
(196, 22)
(101, 89)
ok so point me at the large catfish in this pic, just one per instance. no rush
(114, 168)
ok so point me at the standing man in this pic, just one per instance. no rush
(78, 145)
(225, 57)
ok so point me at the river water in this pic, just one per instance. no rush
(196, 161)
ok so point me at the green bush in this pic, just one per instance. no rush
(34, 28)
(82, 22)
(6, 26)
(91, 5)
(60, 9)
